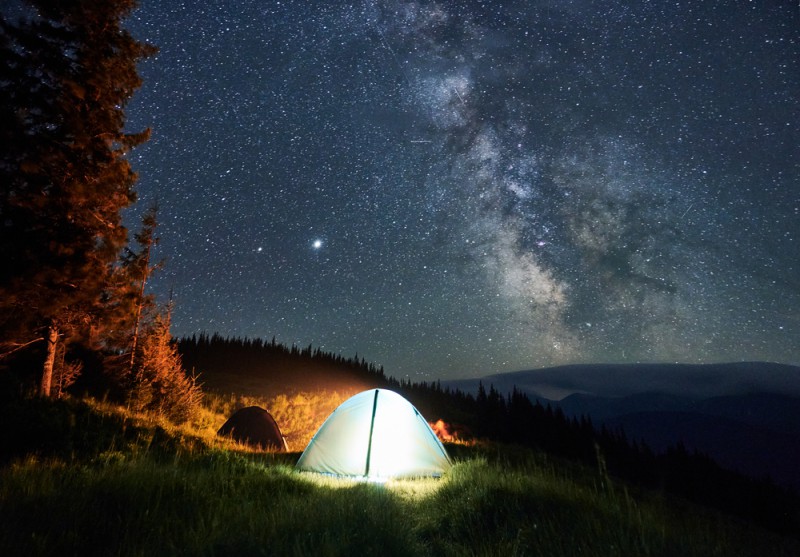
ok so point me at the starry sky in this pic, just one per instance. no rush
(458, 188)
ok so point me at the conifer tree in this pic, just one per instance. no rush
(140, 263)
(66, 74)
(127, 304)
(158, 382)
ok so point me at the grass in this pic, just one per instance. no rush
(299, 415)
(217, 504)
(144, 488)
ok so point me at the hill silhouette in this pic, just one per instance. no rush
(268, 367)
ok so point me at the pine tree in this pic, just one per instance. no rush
(150, 366)
(65, 77)
(140, 265)
(127, 304)
(158, 383)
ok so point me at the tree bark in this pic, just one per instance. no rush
(47, 370)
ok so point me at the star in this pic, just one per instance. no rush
(509, 184)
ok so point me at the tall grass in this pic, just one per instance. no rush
(299, 415)
(536, 507)
(216, 502)
(98, 480)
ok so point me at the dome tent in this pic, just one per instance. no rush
(375, 434)
(256, 427)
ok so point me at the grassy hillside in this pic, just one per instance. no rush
(299, 415)
(98, 481)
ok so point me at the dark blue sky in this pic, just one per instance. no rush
(453, 189)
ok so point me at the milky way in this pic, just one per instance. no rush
(462, 188)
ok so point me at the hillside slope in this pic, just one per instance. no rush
(144, 490)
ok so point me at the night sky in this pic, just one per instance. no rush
(453, 189)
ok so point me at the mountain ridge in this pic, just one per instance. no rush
(615, 380)
(744, 415)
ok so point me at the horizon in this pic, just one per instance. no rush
(486, 375)
(679, 379)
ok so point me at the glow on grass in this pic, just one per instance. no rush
(411, 489)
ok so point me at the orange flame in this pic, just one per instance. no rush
(443, 431)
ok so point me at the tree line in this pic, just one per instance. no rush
(220, 354)
(515, 419)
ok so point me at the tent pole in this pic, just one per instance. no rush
(371, 428)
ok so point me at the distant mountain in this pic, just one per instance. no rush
(753, 450)
(746, 416)
(755, 433)
(603, 408)
(780, 412)
(698, 381)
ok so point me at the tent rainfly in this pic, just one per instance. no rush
(376, 434)
(256, 427)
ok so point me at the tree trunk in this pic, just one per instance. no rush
(149, 225)
(47, 370)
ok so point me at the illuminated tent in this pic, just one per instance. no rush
(375, 434)
(256, 427)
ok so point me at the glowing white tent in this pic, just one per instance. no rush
(375, 434)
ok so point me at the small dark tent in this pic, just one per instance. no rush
(256, 427)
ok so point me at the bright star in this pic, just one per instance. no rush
(316, 244)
